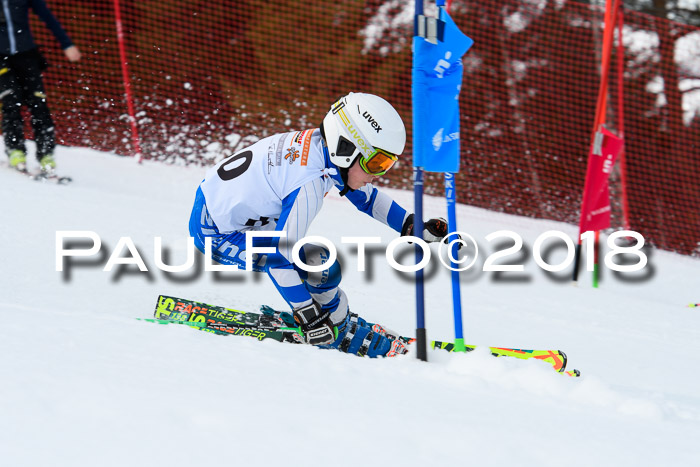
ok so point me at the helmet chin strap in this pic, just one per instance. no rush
(344, 176)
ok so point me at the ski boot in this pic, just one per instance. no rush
(356, 336)
(47, 164)
(18, 160)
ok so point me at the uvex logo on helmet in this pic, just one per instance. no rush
(371, 120)
(361, 144)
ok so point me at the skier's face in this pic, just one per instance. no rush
(357, 178)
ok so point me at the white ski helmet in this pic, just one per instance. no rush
(362, 125)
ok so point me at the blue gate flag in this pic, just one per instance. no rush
(437, 79)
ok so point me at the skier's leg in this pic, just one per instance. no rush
(323, 285)
(32, 64)
(12, 124)
(355, 335)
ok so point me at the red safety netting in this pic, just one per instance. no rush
(209, 77)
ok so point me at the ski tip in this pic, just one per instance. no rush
(563, 361)
(573, 373)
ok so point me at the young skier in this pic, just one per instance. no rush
(278, 184)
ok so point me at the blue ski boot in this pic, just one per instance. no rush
(356, 336)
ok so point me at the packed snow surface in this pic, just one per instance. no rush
(84, 383)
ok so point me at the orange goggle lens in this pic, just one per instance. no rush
(378, 163)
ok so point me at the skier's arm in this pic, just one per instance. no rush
(43, 12)
(378, 205)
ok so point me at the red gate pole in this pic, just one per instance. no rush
(621, 119)
(611, 10)
(127, 82)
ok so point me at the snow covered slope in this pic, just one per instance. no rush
(83, 383)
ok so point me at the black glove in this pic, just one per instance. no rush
(315, 323)
(434, 229)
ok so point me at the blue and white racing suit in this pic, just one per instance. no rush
(278, 184)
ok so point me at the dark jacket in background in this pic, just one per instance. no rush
(15, 36)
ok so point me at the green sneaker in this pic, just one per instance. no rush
(47, 163)
(18, 160)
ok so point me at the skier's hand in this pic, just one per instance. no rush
(434, 230)
(72, 53)
(315, 323)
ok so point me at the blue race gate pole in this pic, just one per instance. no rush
(451, 196)
(421, 336)
(438, 46)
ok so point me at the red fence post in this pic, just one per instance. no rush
(127, 82)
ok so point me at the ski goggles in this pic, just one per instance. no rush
(378, 163)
